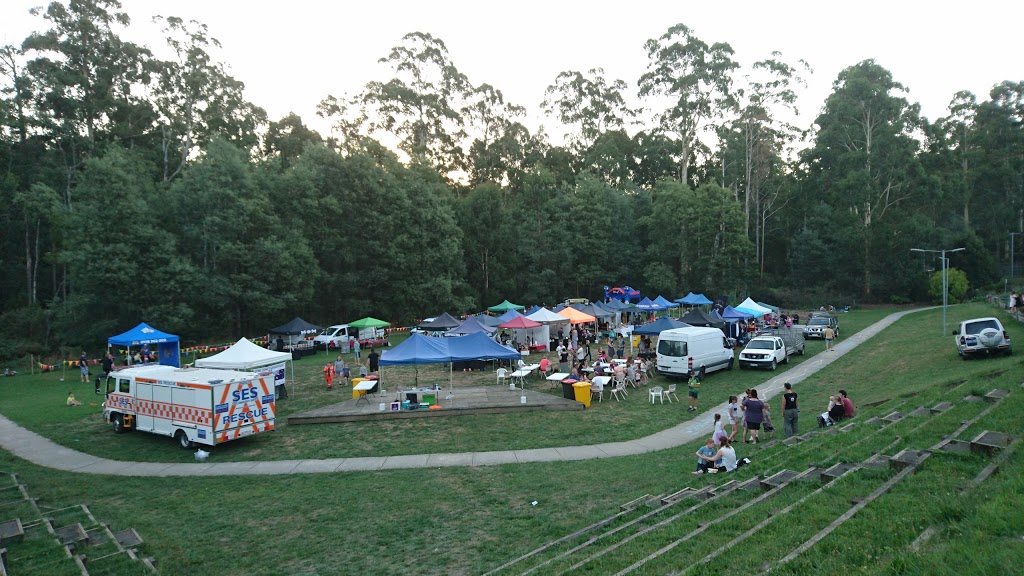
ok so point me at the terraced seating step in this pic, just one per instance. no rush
(70, 534)
(908, 457)
(749, 485)
(874, 421)
(989, 442)
(996, 395)
(678, 495)
(877, 461)
(836, 471)
(941, 407)
(128, 538)
(894, 417)
(777, 479)
(848, 427)
(636, 502)
(921, 411)
(11, 531)
(793, 440)
(95, 536)
(957, 447)
(972, 398)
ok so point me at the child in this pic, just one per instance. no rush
(362, 370)
(708, 449)
(766, 424)
(733, 412)
(693, 389)
(71, 399)
(329, 374)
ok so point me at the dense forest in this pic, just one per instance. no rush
(138, 188)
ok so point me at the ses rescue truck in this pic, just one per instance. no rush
(191, 405)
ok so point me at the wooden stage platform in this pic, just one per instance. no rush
(463, 401)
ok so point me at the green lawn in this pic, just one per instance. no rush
(470, 520)
(37, 403)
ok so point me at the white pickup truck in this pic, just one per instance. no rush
(766, 352)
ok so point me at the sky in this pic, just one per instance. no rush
(290, 55)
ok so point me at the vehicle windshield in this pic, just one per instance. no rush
(329, 331)
(761, 345)
(977, 327)
(818, 322)
(672, 348)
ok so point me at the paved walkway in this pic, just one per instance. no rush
(43, 452)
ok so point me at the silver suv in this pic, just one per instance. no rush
(816, 324)
(982, 336)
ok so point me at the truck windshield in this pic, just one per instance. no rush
(819, 322)
(672, 348)
(761, 345)
(329, 332)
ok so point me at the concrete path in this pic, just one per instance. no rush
(43, 452)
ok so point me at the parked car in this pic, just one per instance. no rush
(769, 351)
(981, 336)
(816, 324)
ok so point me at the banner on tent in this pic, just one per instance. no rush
(278, 371)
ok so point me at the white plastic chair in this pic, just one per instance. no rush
(671, 392)
(657, 391)
(631, 377)
(598, 390)
(501, 372)
(619, 390)
(620, 381)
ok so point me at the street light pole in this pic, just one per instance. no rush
(945, 278)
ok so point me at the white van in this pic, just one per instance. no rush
(681, 350)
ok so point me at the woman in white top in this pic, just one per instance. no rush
(727, 454)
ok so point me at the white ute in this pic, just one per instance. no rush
(765, 352)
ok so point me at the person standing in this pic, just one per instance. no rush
(355, 349)
(692, 391)
(340, 368)
(329, 375)
(829, 334)
(755, 415)
(621, 349)
(108, 367)
(374, 359)
(611, 348)
(732, 411)
(83, 367)
(790, 411)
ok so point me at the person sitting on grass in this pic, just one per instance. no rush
(708, 449)
(71, 399)
(727, 455)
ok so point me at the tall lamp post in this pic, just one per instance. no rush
(945, 278)
(1012, 234)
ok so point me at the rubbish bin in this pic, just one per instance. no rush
(567, 392)
(582, 390)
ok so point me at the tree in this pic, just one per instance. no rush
(694, 81)
(197, 99)
(287, 138)
(957, 286)
(499, 151)
(589, 102)
(864, 157)
(420, 106)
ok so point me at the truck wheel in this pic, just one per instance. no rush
(774, 365)
(118, 422)
(182, 439)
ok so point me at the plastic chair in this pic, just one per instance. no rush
(501, 372)
(620, 381)
(671, 392)
(619, 390)
(631, 377)
(599, 390)
(657, 391)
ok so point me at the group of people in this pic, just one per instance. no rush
(339, 368)
(840, 407)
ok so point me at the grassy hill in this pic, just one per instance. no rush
(472, 520)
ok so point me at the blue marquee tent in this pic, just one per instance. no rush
(665, 302)
(646, 304)
(419, 349)
(471, 325)
(510, 315)
(731, 313)
(167, 346)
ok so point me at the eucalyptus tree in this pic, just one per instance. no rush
(588, 103)
(865, 157)
(421, 105)
(758, 139)
(691, 83)
(501, 142)
(83, 74)
(197, 99)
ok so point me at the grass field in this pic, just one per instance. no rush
(470, 520)
(37, 403)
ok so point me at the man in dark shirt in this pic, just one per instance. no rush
(108, 367)
(790, 411)
(374, 358)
